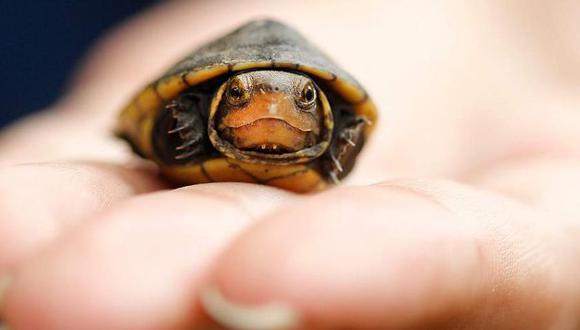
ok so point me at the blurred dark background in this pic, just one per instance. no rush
(41, 42)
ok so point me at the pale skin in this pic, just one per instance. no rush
(462, 212)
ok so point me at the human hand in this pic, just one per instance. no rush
(483, 235)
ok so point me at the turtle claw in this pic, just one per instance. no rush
(347, 137)
(179, 129)
(337, 164)
(334, 178)
(186, 145)
(186, 155)
(350, 142)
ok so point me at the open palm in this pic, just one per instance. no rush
(461, 213)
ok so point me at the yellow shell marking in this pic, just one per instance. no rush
(251, 65)
(170, 87)
(195, 77)
(317, 73)
(145, 135)
(148, 100)
(185, 174)
(298, 178)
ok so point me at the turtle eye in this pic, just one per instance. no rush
(307, 96)
(238, 93)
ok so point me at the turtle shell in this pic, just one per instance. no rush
(258, 45)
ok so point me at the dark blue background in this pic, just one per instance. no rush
(41, 42)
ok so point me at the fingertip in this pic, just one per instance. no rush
(337, 265)
(38, 202)
(137, 266)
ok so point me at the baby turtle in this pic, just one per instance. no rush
(260, 104)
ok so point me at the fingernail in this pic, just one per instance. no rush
(271, 316)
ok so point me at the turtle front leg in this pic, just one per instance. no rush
(345, 147)
(180, 133)
(189, 127)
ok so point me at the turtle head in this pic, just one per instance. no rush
(272, 116)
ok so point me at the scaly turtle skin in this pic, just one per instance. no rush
(261, 105)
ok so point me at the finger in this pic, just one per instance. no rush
(138, 266)
(38, 202)
(408, 256)
(551, 184)
(52, 136)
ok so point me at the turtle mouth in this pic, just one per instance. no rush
(269, 136)
(268, 148)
